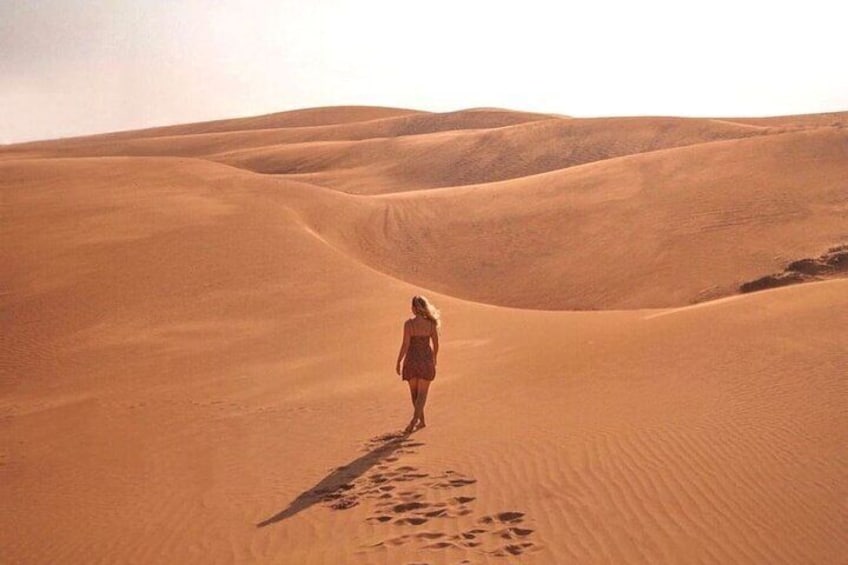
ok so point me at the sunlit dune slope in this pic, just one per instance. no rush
(471, 157)
(410, 152)
(659, 229)
(214, 137)
(653, 228)
(129, 243)
(801, 120)
(307, 117)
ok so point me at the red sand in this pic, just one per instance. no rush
(200, 325)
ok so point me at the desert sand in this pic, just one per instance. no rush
(200, 323)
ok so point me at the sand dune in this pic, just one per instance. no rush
(308, 117)
(666, 228)
(197, 358)
(839, 119)
(287, 127)
(478, 156)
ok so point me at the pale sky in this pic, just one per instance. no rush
(71, 67)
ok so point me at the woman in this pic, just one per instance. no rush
(419, 360)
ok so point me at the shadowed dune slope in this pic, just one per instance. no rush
(196, 363)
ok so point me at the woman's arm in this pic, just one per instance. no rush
(404, 346)
(435, 337)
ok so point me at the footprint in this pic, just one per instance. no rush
(430, 535)
(471, 543)
(344, 503)
(511, 517)
(469, 537)
(453, 483)
(440, 513)
(414, 521)
(439, 545)
(396, 541)
(503, 517)
(379, 519)
(406, 507)
(518, 548)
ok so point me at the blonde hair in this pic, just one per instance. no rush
(421, 305)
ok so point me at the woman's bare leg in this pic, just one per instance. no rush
(423, 386)
(413, 391)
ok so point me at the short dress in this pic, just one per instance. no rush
(419, 363)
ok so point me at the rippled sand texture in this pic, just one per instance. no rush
(200, 323)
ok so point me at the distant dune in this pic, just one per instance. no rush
(836, 119)
(200, 324)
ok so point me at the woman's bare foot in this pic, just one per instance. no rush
(421, 424)
(410, 428)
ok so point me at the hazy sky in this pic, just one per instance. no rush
(71, 67)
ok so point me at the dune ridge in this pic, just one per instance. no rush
(209, 137)
(478, 156)
(196, 358)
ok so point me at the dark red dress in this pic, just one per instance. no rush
(418, 363)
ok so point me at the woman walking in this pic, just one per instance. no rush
(418, 358)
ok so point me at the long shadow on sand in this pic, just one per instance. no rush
(334, 485)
